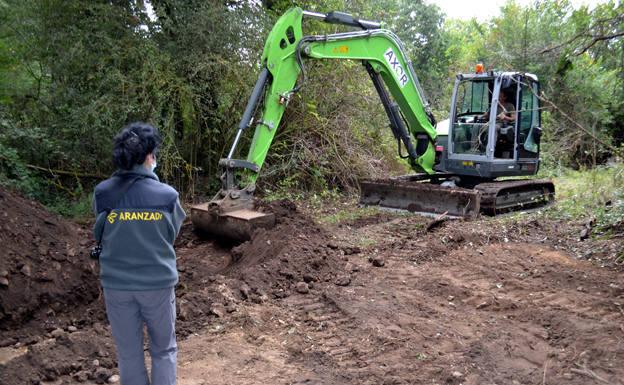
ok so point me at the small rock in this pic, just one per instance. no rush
(101, 375)
(32, 340)
(58, 332)
(377, 261)
(4, 273)
(450, 298)
(43, 250)
(113, 379)
(457, 374)
(343, 280)
(95, 363)
(483, 305)
(4, 282)
(287, 273)
(245, 290)
(332, 245)
(59, 257)
(580, 288)
(72, 329)
(7, 342)
(302, 288)
(102, 353)
(81, 376)
(181, 268)
(217, 310)
(49, 376)
(44, 276)
(307, 278)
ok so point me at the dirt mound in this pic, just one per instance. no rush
(292, 256)
(44, 269)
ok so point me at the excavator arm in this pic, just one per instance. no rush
(283, 74)
(382, 54)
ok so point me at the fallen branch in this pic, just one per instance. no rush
(615, 150)
(60, 172)
(64, 172)
(437, 221)
(589, 373)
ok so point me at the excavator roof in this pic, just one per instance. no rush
(496, 74)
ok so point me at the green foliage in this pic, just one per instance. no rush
(349, 214)
(596, 193)
(72, 73)
(78, 208)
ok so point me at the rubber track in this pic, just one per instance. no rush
(543, 188)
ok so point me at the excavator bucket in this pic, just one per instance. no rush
(420, 197)
(233, 220)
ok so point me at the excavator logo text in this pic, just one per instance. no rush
(392, 59)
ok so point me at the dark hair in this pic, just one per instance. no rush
(133, 143)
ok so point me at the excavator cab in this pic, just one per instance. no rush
(494, 126)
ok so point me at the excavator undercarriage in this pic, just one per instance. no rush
(426, 194)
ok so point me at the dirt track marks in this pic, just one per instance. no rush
(326, 337)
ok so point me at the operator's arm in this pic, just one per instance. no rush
(508, 114)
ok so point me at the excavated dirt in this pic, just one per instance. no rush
(376, 300)
(43, 264)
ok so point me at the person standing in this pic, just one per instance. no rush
(137, 220)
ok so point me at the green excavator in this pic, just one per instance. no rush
(493, 130)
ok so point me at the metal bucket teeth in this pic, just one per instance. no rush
(420, 197)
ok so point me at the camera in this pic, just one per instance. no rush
(95, 252)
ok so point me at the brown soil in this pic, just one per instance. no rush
(377, 300)
(43, 259)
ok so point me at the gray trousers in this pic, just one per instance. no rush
(127, 312)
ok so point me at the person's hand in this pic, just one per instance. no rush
(503, 117)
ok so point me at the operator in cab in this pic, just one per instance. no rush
(506, 110)
(137, 220)
(505, 125)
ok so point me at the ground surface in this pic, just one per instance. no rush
(508, 301)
